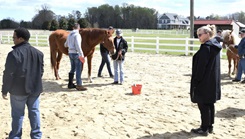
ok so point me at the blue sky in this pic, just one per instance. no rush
(27, 9)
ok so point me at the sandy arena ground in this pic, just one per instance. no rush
(163, 110)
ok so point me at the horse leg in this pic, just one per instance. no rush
(235, 65)
(229, 66)
(58, 64)
(89, 58)
(54, 63)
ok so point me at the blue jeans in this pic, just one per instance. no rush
(105, 60)
(18, 111)
(241, 68)
(118, 63)
(76, 66)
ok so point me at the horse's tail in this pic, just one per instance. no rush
(52, 45)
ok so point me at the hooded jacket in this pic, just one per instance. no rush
(205, 79)
(23, 71)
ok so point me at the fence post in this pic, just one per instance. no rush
(47, 40)
(157, 45)
(186, 46)
(36, 40)
(132, 43)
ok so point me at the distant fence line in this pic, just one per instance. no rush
(156, 44)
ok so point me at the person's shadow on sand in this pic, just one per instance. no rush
(175, 135)
(230, 113)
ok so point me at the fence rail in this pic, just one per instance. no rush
(181, 45)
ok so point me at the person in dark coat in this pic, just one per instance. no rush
(205, 80)
(219, 37)
(22, 78)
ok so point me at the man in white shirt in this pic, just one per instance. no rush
(73, 42)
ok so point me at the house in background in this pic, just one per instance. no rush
(172, 21)
(241, 25)
(220, 25)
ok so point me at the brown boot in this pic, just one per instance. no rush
(81, 88)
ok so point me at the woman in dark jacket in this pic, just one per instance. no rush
(205, 79)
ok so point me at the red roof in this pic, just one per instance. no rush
(214, 22)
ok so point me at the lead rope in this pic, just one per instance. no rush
(228, 48)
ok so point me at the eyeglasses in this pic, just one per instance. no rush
(199, 35)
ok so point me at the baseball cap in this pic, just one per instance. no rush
(119, 32)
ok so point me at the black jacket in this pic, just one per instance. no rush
(23, 71)
(103, 49)
(205, 79)
(123, 45)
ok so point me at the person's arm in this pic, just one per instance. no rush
(66, 43)
(78, 43)
(8, 74)
(125, 47)
(203, 59)
(241, 47)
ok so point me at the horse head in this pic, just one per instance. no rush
(228, 38)
(109, 42)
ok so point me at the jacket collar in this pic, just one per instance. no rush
(20, 44)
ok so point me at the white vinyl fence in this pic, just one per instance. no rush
(183, 46)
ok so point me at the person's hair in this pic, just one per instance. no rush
(219, 31)
(209, 29)
(76, 26)
(110, 27)
(22, 33)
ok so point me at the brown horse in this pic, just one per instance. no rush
(230, 40)
(90, 38)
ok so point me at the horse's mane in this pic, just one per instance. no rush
(235, 38)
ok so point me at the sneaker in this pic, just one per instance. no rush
(100, 76)
(236, 80)
(243, 81)
(200, 131)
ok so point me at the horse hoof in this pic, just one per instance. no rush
(57, 78)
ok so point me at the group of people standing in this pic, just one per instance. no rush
(77, 59)
(22, 76)
(24, 68)
(118, 58)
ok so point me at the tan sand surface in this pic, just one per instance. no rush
(163, 110)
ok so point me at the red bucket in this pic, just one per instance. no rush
(136, 89)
